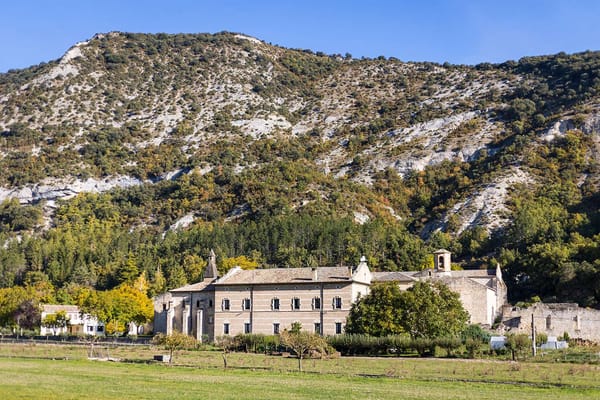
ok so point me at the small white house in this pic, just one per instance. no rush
(78, 324)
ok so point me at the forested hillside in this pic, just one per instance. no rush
(136, 154)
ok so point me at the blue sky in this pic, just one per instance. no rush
(457, 31)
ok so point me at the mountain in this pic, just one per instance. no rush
(222, 140)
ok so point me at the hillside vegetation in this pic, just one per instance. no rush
(139, 153)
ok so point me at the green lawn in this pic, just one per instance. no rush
(24, 374)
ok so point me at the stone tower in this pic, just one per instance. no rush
(442, 261)
(211, 268)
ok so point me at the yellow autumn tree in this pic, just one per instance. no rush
(241, 261)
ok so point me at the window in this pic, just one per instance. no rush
(338, 328)
(318, 328)
(226, 328)
(316, 303)
(246, 304)
(210, 303)
(549, 322)
(197, 303)
(100, 329)
(90, 329)
(210, 320)
(164, 306)
(275, 303)
(226, 305)
(337, 303)
(247, 327)
(295, 303)
(276, 328)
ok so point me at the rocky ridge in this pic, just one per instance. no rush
(145, 95)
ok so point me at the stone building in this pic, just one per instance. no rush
(262, 301)
(554, 320)
(482, 292)
(270, 300)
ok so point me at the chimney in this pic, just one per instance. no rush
(315, 274)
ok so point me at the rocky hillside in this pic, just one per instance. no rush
(189, 129)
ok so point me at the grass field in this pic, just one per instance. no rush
(29, 372)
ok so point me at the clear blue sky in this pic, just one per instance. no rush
(457, 31)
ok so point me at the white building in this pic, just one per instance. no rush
(79, 324)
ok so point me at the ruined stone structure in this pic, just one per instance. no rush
(270, 300)
(553, 320)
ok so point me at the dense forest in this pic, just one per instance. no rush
(285, 198)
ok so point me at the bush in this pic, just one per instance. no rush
(449, 344)
(475, 332)
(423, 346)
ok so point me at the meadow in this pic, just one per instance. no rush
(34, 371)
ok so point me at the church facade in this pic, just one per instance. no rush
(269, 300)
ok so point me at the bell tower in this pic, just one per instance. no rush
(442, 261)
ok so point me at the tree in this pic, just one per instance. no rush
(28, 315)
(174, 341)
(10, 298)
(432, 310)
(56, 321)
(227, 344)
(377, 313)
(118, 307)
(426, 310)
(303, 343)
(517, 344)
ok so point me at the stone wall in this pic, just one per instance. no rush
(554, 320)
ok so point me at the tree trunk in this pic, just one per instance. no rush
(224, 360)
(300, 363)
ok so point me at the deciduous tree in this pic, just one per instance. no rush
(174, 341)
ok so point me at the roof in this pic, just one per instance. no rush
(411, 276)
(396, 276)
(239, 276)
(441, 251)
(194, 287)
(474, 273)
(54, 308)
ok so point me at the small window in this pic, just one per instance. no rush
(226, 305)
(210, 303)
(316, 303)
(275, 303)
(318, 328)
(247, 327)
(246, 304)
(338, 328)
(90, 329)
(210, 320)
(197, 303)
(337, 303)
(276, 328)
(549, 322)
(295, 303)
(100, 329)
(226, 328)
